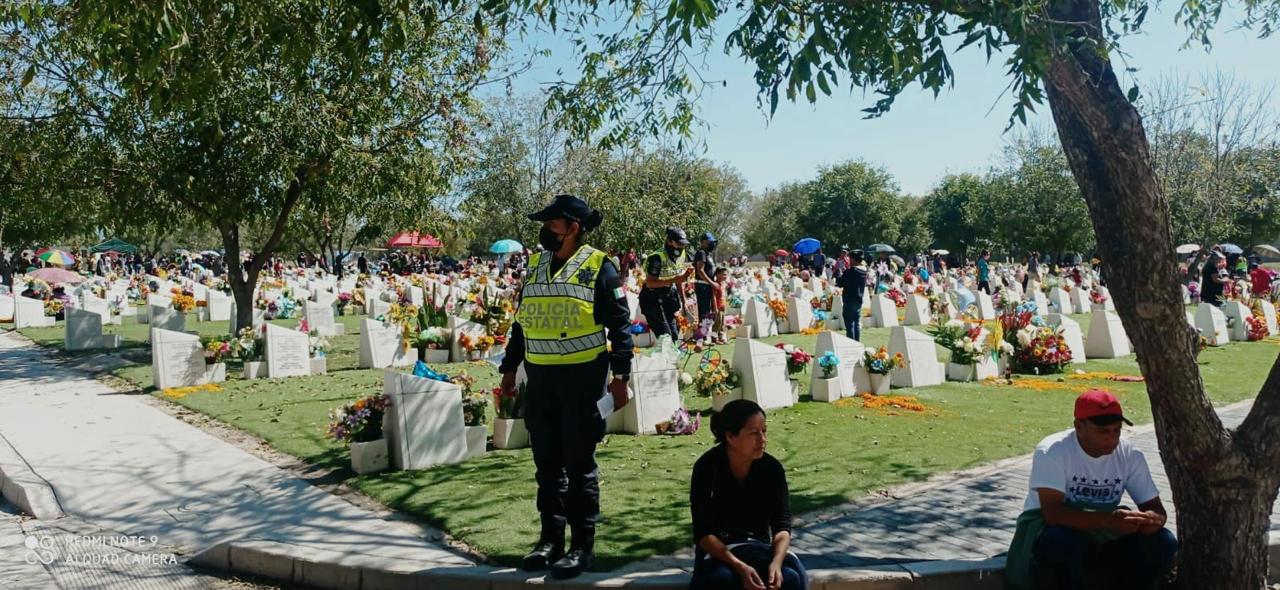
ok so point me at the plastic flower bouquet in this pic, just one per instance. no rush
(881, 362)
(359, 421)
(1041, 351)
(797, 358)
(965, 339)
(716, 379)
(473, 406)
(828, 362)
(218, 349)
(1097, 297)
(509, 405)
(433, 338)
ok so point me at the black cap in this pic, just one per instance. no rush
(708, 236)
(571, 208)
(677, 235)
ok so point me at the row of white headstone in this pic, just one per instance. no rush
(178, 360)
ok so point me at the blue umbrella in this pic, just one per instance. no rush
(806, 246)
(506, 247)
(1231, 249)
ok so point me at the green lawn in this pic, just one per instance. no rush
(833, 453)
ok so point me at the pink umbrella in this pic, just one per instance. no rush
(57, 275)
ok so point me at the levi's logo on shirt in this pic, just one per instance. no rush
(1095, 491)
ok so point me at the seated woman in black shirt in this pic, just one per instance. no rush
(741, 511)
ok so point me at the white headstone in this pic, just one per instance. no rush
(1059, 301)
(200, 292)
(379, 308)
(380, 346)
(759, 317)
(319, 315)
(923, 368)
(918, 313)
(288, 352)
(6, 307)
(884, 311)
(1212, 324)
(1042, 302)
(166, 318)
(219, 307)
(1107, 339)
(795, 285)
(835, 317)
(850, 372)
(415, 295)
(1071, 333)
(84, 331)
(100, 306)
(460, 326)
(1236, 312)
(1186, 295)
(177, 359)
(1268, 311)
(424, 424)
(656, 385)
(29, 313)
(986, 311)
(1080, 300)
(764, 373)
(799, 314)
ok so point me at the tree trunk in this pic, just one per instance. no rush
(1224, 482)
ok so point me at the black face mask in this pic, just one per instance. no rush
(711, 246)
(550, 240)
(673, 251)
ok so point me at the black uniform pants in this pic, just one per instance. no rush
(564, 427)
(660, 307)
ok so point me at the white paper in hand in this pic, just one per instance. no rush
(605, 404)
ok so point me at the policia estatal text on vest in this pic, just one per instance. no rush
(666, 272)
(571, 330)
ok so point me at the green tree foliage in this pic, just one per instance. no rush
(951, 209)
(773, 219)
(379, 131)
(853, 203)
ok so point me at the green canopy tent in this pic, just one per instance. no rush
(114, 245)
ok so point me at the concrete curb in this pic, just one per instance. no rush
(23, 488)
(317, 568)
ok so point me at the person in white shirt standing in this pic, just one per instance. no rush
(1073, 516)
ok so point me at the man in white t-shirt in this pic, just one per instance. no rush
(1072, 514)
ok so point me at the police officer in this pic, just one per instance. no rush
(571, 294)
(666, 271)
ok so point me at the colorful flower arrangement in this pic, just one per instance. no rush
(828, 362)
(1097, 297)
(53, 307)
(965, 339)
(219, 349)
(182, 301)
(473, 407)
(359, 421)
(473, 343)
(508, 405)
(433, 338)
(1257, 328)
(1041, 350)
(779, 308)
(343, 300)
(797, 359)
(716, 379)
(250, 343)
(881, 362)
(899, 298)
(405, 316)
(681, 423)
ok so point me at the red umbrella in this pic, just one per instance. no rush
(413, 240)
(781, 252)
(57, 275)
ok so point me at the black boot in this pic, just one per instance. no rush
(581, 554)
(549, 549)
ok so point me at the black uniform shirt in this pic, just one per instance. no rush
(757, 507)
(610, 311)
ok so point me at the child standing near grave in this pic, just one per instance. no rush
(717, 303)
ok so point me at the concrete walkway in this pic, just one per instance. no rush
(123, 466)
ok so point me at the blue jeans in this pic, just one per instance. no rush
(852, 317)
(712, 574)
(1138, 561)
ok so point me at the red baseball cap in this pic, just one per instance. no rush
(1097, 403)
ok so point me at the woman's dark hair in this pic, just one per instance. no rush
(732, 417)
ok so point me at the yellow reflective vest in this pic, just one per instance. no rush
(557, 313)
(671, 268)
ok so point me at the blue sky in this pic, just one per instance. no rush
(922, 138)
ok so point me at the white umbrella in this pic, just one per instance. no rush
(1266, 250)
(1187, 248)
(942, 252)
